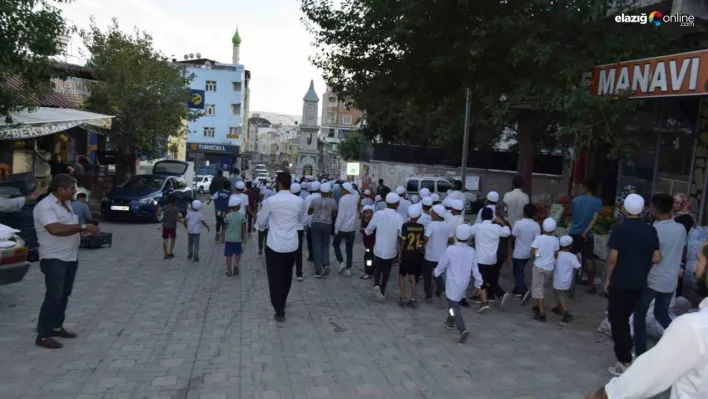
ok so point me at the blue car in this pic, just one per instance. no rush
(143, 196)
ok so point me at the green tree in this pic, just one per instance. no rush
(523, 61)
(351, 144)
(29, 30)
(141, 88)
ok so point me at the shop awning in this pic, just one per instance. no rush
(45, 121)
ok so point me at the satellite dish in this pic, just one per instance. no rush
(207, 63)
(186, 57)
(191, 55)
(199, 55)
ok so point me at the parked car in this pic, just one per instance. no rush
(143, 196)
(201, 184)
(13, 262)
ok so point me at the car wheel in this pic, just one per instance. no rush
(201, 190)
(159, 214)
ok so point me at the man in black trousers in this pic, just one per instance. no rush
(282, 213)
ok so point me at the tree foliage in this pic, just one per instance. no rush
(29, 30)
(351, 144)
(408, 62)
(140, 87)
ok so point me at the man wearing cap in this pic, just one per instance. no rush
(314, 193)
(456, 218)
(486, 243)
(345, 227)
(322, 210)
(426, 206)
(365, 200)
(281, 213)
(404, 204)
(515, 200)
(295, 188)
(387, 225)
(438, 235)
(491, 203)
(634, 249)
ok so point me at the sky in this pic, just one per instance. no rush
(274, 44)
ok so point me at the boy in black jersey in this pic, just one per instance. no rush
(410, 255)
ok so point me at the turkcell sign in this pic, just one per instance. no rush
(206, 147)
(211, 147)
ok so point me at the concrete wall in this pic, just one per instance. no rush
(543, 186)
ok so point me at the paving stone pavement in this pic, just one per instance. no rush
(154, 328)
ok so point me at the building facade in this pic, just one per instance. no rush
(337, 121)
(215, 138)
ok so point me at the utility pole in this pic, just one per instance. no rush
(466, 141)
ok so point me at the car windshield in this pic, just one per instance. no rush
(144, 181)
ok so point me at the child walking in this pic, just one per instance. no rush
(221, 205)
(544, 249)
(369, 241)
(170, 217)
(234, 234)
(566, 266)
(193, 223)
(410, 256)
(459, 262)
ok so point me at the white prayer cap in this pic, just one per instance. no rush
(447, 203)
(549, 225)
(295, 188)
(427, 201)
(337, 185)
(377, 198)
(240, 185)
(348, 187)
(315, 186)
(415, 199)
(368, 208)
(196, 204)
(435, 197)
(463, 232)
(566, 241)
(414, 212)
(457, 205)
(439, 209)
(493, 196)
(367, 192)
(234, 200)
(326, 188)
(392, 198)
(400, 190)
(424, 193)
(634, 204)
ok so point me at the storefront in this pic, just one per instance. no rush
(668, 148)
(208, 157)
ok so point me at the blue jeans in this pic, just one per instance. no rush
(662, 301)
(519, 279)
(59, 279)
(454, 315)
(348, 237)
(320, 244)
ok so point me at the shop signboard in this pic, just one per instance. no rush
(75, 89)
(213, 148)
(684, 74)
(352, 168)
(24, 132)
(196, 100)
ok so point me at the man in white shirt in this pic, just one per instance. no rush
(282, 213)
(387, 225)
(486, 241)
(515, 200)
(524, 232)
(491, 203)
(295, 188)
(345, 227)
(438, 235)
(679, 361)
(58, 233)
(307, 222)
(404, 204)
(456, 218)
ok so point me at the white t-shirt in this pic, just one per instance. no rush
(563, 272)
(194, 222)
(438, 233)
(424, 219)
(525, 231)
(546, 247)
(244, 202)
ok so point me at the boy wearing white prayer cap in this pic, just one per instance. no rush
(404, 204)
(491, 202)
(233, 235)
(194, 222)
(438, 235)
(565, 270)
(544, 250)
(426, 206)
(410, 256)
(459, 263)
(387, 226)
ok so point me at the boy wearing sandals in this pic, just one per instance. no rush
(234, 234)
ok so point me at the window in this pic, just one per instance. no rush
(333, 99)
(412, 186)
(331, 132)
(235, 109)
(234, 130)
(210, 85)
(235, 86)
(179, 183)
(331, 118)
(208, 132)
(429, 184)
(346, 120)
(443, 186)
(169, 185)
(210, 109)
